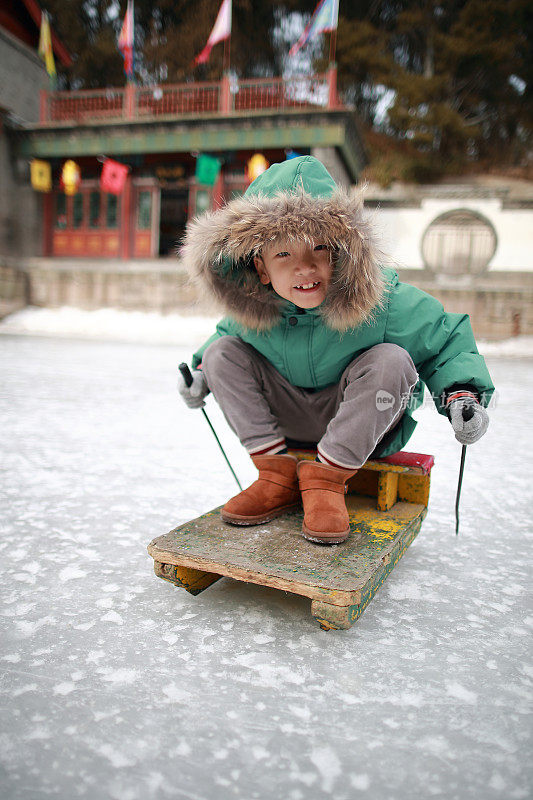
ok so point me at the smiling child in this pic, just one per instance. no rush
(321, 344)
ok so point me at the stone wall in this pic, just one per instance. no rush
(20, 206)
(14, 288)
(500, 306)
(22, 75)
(152, 285)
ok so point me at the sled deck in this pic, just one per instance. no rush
(386, 500)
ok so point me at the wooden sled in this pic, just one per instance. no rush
(387, 501)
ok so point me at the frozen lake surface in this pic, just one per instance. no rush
(117, 685)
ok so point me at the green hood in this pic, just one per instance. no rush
(294, 200)
(302, 174)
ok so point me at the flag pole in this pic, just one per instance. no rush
(133, 81)
(227, 45)
(226, 57)
(332, 46)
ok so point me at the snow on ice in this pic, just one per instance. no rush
(117, 685)
(176, 329)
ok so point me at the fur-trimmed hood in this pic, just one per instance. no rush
(296, 199)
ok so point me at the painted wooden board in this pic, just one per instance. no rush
(340, 580)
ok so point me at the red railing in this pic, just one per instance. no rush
(194, 98)
(267, 93)
(83, 106)
(133, 102)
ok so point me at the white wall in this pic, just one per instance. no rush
(401, 230)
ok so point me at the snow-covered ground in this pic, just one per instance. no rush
(117, 685)
(136, 326)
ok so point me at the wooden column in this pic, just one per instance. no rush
(129, 101)
(225, 95)
(48, 222)
(218, 192)
(126, 220)
(332, 86)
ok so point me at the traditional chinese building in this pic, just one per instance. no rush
(469, 245)
(160, 133)
(22, 77)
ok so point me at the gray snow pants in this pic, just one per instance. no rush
(347, 420)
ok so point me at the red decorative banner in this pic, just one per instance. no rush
(113, 177)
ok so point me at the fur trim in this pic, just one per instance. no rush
(218, 250)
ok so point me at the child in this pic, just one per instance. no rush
(321, 344)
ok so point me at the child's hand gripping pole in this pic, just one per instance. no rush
(468, 413)
(187, 377)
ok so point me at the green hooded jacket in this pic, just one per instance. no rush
(366, 304)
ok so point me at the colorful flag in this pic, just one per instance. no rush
(207, 169)
(41, 175)
(113, 177)
(324, 19)
(221, 30)
(45, 45)
(125, 40)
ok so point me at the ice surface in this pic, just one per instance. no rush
(117, 685)
(109, 323)
(136, 326)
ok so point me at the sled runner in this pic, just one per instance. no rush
(387, 501)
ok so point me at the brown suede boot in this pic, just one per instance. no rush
(274, 492)
(323, 489)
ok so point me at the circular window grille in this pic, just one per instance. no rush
(459, 242)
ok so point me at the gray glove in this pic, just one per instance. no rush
(195, 393)
(473, 429)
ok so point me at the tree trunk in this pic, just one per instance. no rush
(429, 57)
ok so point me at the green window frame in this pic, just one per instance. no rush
(95, 207)
(144, 212)
(112, 211)
(61, 211)
(77, 210)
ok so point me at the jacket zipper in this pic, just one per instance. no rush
(285, 359)
(310, 352)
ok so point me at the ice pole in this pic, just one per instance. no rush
(187, 377)
(468, 413)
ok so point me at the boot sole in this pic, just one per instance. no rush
(322, 538)
(235, 519)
